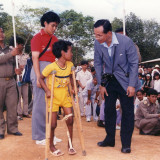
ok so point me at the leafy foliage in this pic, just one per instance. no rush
(77, 29)
(145, 34)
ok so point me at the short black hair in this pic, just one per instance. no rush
(59, 46)
(84, 62)
(140, 74)
(156, 74)
(121, 30)
(139, 91)
(105, 23)
(49, 17)
(152, 91)
(92, 69)
(19, 40)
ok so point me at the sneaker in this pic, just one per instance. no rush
(19, 117)
(41, 142)
(88, 119)
(57, 140)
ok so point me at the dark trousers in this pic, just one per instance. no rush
(115, 91)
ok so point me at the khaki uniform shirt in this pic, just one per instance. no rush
(7, 63)
(146, 110)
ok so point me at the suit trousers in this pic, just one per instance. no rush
(115, 91)
(9, 98)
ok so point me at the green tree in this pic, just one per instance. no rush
(151, 38)
(145, 34)
(78, 29)
(28, 23)
(117, 23)
(6, 24)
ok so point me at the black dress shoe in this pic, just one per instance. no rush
(106, 144)
(100, 123)
(16, 133)
(126, 150)
(1, 136)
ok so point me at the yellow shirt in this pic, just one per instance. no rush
(61, 76)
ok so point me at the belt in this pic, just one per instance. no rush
(6, 79)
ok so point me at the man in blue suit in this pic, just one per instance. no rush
(116, 65)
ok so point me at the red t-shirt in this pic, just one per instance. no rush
(39, 43)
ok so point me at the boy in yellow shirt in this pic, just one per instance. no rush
(61, 97)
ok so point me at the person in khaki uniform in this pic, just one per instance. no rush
(22, 109)
(8, 91)
(147, 118)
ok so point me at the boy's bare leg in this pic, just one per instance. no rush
(53, 127)
(69, 123)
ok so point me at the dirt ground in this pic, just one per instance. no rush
(24, 148)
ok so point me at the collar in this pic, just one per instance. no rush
(114, 41)
(4, 47)
(149, 104)
(44, 33)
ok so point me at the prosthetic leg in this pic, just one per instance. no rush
(68, 135)
(77, 112)
(49, 115)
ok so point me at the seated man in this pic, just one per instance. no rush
(147, 118)
(158, 102)
(139, 98)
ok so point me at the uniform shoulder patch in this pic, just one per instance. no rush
(145, 102)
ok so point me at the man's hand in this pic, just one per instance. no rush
(95, 101)
(82, 87)
(130, 91)
(21, 66)
(48, 93)
(15, 51)
(38, 84)
(88, 101)
(103, 91)
(18, 71)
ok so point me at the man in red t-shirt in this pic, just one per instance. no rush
(49, 21)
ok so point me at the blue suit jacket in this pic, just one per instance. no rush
(125, 55)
